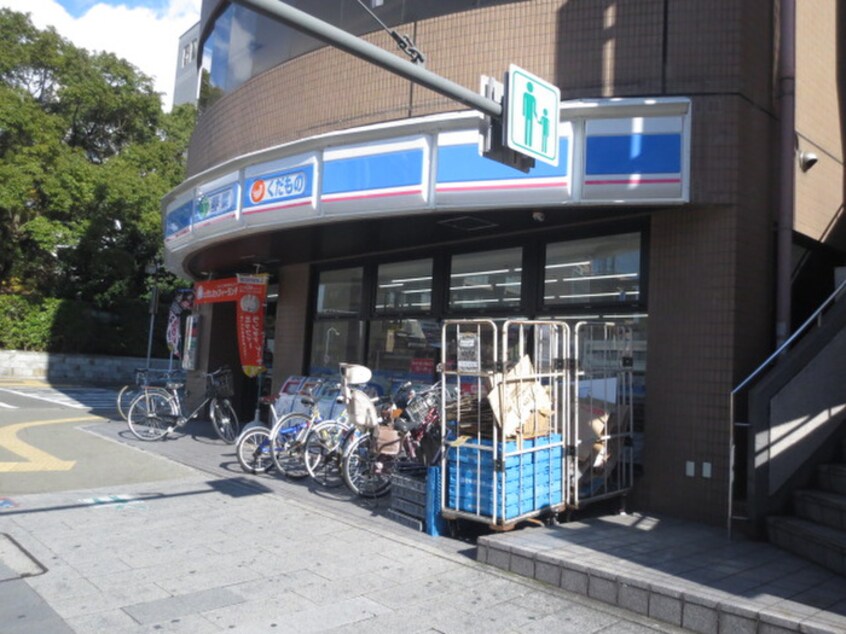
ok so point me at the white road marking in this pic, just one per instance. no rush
(55, 401)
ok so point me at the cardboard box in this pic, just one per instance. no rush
(516, 397)
(593, 421)
(537, 424)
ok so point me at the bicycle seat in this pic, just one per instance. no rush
(355, 374)
(173, 386)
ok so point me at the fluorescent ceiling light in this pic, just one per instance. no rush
(470, 287)
(558, 266)
(493, 272)
(427, 278)
(620, 276)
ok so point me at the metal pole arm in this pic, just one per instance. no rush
(353, 45)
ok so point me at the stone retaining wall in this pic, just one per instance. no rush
(74, 367)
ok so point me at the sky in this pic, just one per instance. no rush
(143, 32)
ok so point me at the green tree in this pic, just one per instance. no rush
(86, 154)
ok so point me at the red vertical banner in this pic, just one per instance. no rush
(252, 298)
(249, 292)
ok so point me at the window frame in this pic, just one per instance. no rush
(530, 306)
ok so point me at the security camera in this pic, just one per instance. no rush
(807, 160)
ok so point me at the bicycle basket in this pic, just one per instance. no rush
(418, 408)
(387, 441)
(223, 384)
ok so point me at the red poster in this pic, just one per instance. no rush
(252, 297)
(422, 366)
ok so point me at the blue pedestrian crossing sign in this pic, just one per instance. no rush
(532, 115)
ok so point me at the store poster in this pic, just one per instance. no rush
(469, 353)
(192, 338)
(183, 302)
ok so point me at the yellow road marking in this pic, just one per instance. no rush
(22, 383)
(34, 459)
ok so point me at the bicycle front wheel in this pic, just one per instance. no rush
(253, 450)
(151, 415)
(323, 453)
(363, 471)
(224, 420)
(287, 445)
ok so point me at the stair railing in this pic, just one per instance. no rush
(740, 428)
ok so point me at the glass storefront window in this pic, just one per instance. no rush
(339, 292)
(335, 341)
(404, 287)
(403, 350)
(243, 44)
(486, 280)
(593, 271)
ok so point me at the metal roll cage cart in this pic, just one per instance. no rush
(534, 422)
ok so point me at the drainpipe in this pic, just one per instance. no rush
(786, 171)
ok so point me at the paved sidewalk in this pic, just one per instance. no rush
(228, 550)
(226, 554)
(678, 572)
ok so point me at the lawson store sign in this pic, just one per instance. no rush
(611, 152)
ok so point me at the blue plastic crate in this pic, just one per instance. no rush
(473, 455)
(532, 478)
(513, 481)
(529, 502)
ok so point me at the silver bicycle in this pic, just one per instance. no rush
(154, 414)
(146, 379)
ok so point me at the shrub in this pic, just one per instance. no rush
(71, 326)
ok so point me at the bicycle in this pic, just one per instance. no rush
(143, 382)
(153, 415)
(260, 448)
(401, 440)
(324, 450)
(327, 442)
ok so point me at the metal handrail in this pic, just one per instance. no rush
(757, 371)
(799, 331)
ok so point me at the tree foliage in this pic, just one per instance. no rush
(86, 154)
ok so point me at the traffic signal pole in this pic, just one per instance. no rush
(277, 10)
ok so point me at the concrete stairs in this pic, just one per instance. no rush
(817, 528)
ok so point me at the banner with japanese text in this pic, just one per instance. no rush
(212, 291)
(249, 292)
(252, 297)
(182, 304)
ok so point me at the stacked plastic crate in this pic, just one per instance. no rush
(530, 477)
(415, 500)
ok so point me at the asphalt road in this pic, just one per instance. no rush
(44, 445)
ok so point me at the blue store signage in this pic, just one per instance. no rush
(280, 189)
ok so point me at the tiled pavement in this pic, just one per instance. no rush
(677, 572)
(228, 551)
